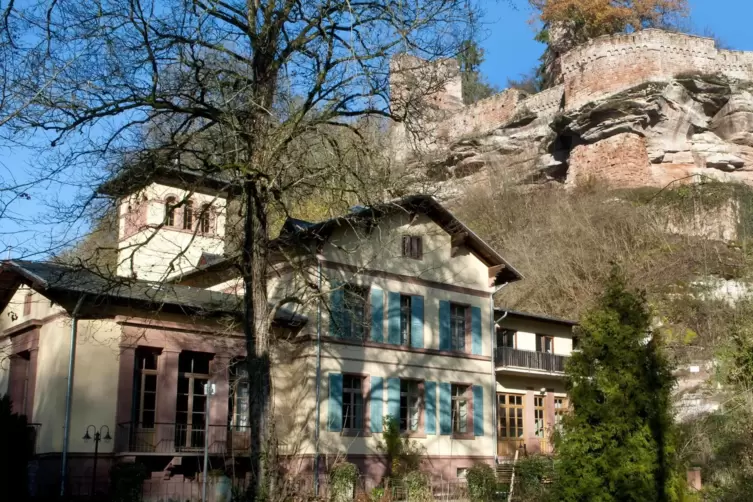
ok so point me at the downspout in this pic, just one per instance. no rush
(494, 369)
(69, 392)
(318, 380)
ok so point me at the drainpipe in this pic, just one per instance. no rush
(494, 369)
(69, 393)
(318, 381)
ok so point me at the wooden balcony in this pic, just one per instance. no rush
(506, 357)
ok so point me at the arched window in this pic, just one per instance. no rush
(170, 211)
(188, 215)
(204, 219)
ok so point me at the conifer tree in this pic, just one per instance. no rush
(616, 443)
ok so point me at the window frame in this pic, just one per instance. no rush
(412, 247)
(237, 378)
(407, 316)
(539, 416)
(140, 374)
(421, 408)
(503, 333)
(204, 220)
(540, 345)
(466, 396)
(466, 327)
(192, 377)
(347, 321)
(170, 206)
(560, 412)
(365, 389)
(188, 219)
(513, 421)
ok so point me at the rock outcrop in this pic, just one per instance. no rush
(644, 109)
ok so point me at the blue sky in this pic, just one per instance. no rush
(510, 51)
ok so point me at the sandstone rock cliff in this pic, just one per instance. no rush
(643, 109)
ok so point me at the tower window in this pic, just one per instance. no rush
(188, 215)
(170, 212)
(204, 219)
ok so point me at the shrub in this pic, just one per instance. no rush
(15, 448)
(417, 487)
(533, 476)
(482, 483)
(403, 454)
(127, 480)
(342, 481)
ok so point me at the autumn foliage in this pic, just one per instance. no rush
(591, 18)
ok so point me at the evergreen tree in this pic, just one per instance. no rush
(616, 443)
(475, 86)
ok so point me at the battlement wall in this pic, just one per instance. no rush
(611, 64)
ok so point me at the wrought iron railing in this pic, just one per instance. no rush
(514, 358)
(170, 438)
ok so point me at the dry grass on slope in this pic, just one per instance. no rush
(565, 242)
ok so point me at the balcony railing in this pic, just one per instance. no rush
(541, 361)
(171, 438)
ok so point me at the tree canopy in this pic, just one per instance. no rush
(586, 19)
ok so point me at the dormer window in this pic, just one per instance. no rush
(170, 212)
(413, 247)
(188, 215)
(204, 219)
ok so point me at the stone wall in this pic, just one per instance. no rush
(592, 71)
(620, 160)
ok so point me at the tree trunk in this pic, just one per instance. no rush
(256, 331)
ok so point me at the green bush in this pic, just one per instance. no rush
(127, 480)
(533, 478)
(417, 487)
(482, 483)
(342, 481)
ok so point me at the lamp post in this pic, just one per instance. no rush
(103, 434)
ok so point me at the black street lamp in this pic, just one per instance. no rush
(103, 434)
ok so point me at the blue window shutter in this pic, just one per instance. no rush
(445, 409)
(336, 310)
(430, 419)
(417, 322)
(478, 410)
(476, 346)
(375, 403)
(335, 407)
(377, 316)
(393, 398)
(393, 318)
(445, 342)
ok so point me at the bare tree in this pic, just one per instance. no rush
(265, 94)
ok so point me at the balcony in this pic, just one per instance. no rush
(514, 359)
(180, 439)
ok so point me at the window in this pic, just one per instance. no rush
(410, 405)
(506, 338)
(27, 303)
(510, 416)
(355, 300)
(193, 374)
(170, 212)
(239, 395)
(458, 323)
(405, 317)
(560, 408)
(353, 402)
(18, 386)
(460, 409)
(462, 473)
(413, 247)
(538, 416)
(146, 387)
(204, 219)
(545, 344)
(188, 215)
